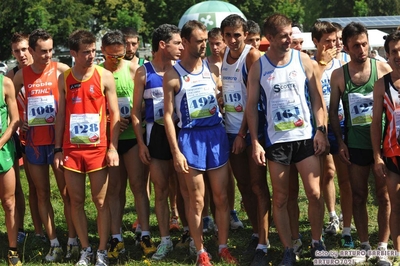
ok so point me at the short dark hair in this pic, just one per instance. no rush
(234, 20)
(164, 33)
(38, 34)
(129, 32)
(19, 37)
(353, 29)
(272, 23)
(113, 37)
(253, 27)
(189, 27)
(392, 37)
(79, 37)
(320, 28)
(338, 26)
(214, 33)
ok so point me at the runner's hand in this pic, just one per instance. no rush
(259, 155)
(112, 158)
(319, 143)
(144, 154)
(180, 164)
(123, 124)
(344, 154)
(239, 145)
(58, 160)
(380, 168)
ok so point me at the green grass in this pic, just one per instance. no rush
(33, 251)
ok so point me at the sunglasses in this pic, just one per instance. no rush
(116, 57)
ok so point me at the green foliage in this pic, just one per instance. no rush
(292, 9)
(360, 8)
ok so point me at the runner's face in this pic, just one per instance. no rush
(283, 39)
(234, 37)
(297, 44)
(339, 41)
(20, 51)
(86, 54)
(113, 53)
(357, 47)
(132, 44)
(394, 54)
(254, 40)
(174, 47)
(328, 40)
(216, 45)
(43, 51)
(198, 43)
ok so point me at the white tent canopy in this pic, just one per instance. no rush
(375, 39)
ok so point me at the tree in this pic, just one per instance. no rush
(360, 8)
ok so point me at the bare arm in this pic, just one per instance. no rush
(253, 96)
(61, 67)
(60, 121)
(9, 95)
(337, 88)
(140, 82)
(111, 95)
(170, 83)
(317, 103)
(376, 127)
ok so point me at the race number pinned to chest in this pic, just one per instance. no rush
(360, 108)
(233, 98)
(158, 109)
(201, 102)
(84, 129)
(287, 114)
(124, 106)
(41, 111)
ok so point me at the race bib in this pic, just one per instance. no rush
(124, 105)
(201, 101)
(41, 111)
(287, 114)
(360, 108)
(158, 109)
(233, 98)
(397, 122)
(84, 129)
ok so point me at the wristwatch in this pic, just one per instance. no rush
(322, 63)
(322, 129)
(57, 150)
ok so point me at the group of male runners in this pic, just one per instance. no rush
(237, 106)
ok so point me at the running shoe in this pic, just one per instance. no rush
(317, 247)
(184, 240)
(260, 258)
(101, 258)
(333, 226)
(13, 258)
(135, 224)
(362, 258)
(234, 221)
(382, 258)
(203, 260)
(21, 237)
(227, 257)
(297, 248)
(55, 254)
(72, 252)
(86, 258)
(289, 258)
(174, 224)
(116, 247)
(162, 250)
(208, 225)
(147, 245)
(347, 241)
